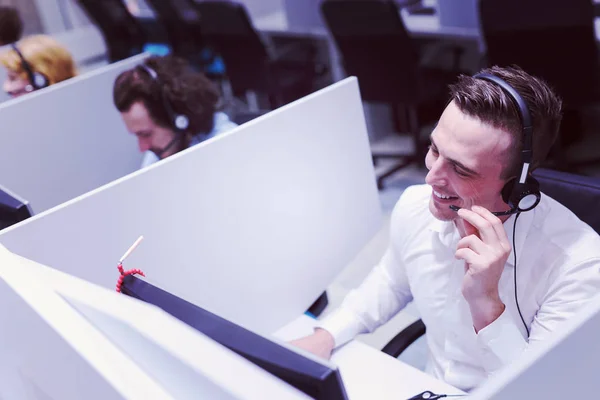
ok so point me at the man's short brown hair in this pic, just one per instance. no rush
(188, 92)
(489, 103)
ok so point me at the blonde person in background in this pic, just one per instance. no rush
(34, 63)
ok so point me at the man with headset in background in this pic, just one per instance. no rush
(168, 106)
(450, 250)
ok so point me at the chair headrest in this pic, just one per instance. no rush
(580, 194)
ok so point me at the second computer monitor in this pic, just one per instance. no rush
(317, 379)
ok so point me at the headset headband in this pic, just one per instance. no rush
(179, 121)
(526, 120)
(37, 80)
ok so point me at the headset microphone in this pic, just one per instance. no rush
(496, 213)
(162, 151)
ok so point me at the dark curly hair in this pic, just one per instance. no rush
(187, 91)
(11, 25)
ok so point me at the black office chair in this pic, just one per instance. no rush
(580, 194)
(376, 48)
(122, 33)
(250, 64)
(552, 39)
(181, 22)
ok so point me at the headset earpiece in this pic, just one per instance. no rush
(39, 81)
(522, 196)
(522, 193)
(179, 122)
(36, 80)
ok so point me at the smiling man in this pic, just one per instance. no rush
(461, 267)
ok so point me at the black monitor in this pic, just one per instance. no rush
(13, 209)
(311, 377)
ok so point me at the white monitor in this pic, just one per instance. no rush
(64, 338)
(565, 366)
(252, 225)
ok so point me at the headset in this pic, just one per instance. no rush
(37, 80)
(179, 122)
(521, 193)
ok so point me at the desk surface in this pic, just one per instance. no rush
(368, 373)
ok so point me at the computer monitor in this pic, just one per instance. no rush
(312, 377)
(13, 209)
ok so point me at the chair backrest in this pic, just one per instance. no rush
(227, 27)
(375, 47)
(182, 24)
(552, 39)
(580, 194)
(122, 33)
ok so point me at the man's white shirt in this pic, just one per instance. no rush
(558, 270)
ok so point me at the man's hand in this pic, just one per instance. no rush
(320, 343)
(485, 249)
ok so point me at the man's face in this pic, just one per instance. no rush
(465, 161)
(15, 85)
(150, 135)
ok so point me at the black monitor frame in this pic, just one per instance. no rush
(13, 208)
(307, 375)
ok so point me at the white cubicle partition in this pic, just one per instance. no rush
(563, 367)
(64, 338)
(66, 140)
(252, 224)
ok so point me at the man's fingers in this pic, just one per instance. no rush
(485, 229)
(466, 254)
(496, 224)
(472, 242)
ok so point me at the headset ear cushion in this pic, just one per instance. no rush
(507, 191)
(40, 81)
(182, 122)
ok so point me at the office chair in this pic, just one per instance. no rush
(251, 65)
(181, 22)
(580, 194)
(375, 46)
(554, 40)
(121, 31)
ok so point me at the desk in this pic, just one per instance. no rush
(368, 373)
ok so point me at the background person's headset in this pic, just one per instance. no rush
(37, 80)
(178, 122)
(522, 193)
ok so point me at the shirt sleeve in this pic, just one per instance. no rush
(501, 342)
(381, 295)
